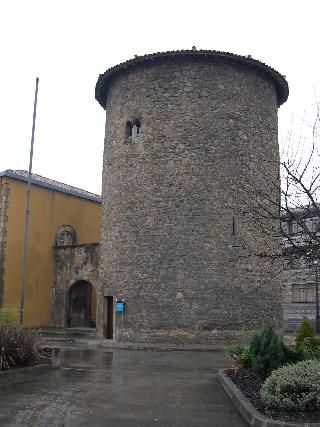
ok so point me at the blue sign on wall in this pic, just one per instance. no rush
(119, 307)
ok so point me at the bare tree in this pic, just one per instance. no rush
(300, 219)
(297, 205)
(300, 193)
(298, 189)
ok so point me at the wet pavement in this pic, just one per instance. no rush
(122, 388)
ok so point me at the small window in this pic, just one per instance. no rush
(298, 262)
(65, 236)
(305, 292)
(234, 226)
(132, 131)
(315, 224)
(297, 227)
(285, 227)
(129, 127)
(136, 128)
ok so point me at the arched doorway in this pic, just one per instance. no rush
(82, 302)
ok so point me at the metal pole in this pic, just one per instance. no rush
(317, 302)
(26, 221)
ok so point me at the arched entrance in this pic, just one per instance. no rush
(82, 302)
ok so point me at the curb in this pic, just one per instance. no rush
(248, 411)
(99, 344)
(16, 372)
(13, 373)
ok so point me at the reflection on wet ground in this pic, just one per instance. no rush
(122, 387)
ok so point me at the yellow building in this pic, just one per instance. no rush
(64, 223)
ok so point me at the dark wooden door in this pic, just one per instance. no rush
(108, 317)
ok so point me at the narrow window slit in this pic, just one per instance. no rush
(234, 226)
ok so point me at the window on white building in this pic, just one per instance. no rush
(305, 292)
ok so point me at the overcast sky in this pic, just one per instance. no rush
(68, 43)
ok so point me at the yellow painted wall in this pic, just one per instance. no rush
(49, 209)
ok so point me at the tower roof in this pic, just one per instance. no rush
(277, 79)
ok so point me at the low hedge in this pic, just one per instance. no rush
(293, 387)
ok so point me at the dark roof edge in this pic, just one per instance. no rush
(10, 174)
(279, 81)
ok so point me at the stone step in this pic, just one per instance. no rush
(67, 334)
(102, 343)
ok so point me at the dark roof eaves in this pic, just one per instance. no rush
(279, 80)
(34, 181)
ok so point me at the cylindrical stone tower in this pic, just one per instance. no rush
(190, 196)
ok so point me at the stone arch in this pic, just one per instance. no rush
(81, 304)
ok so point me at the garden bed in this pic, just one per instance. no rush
(45, 359)
(249, 383)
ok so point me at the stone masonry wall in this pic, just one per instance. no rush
(71, 264)
(176, 243)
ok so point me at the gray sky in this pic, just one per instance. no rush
(68, 43)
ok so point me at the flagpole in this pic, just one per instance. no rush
(27, 212)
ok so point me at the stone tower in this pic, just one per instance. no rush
(191, 152)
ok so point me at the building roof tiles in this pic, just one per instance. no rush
(22, 175)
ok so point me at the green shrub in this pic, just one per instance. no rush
(291, 354)
(293, 387)
(305, 331)
(240, 354)
(311, 348)
(266, 350)
(18, 347)
(246, 358)
(235, 348)
(8, 316)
